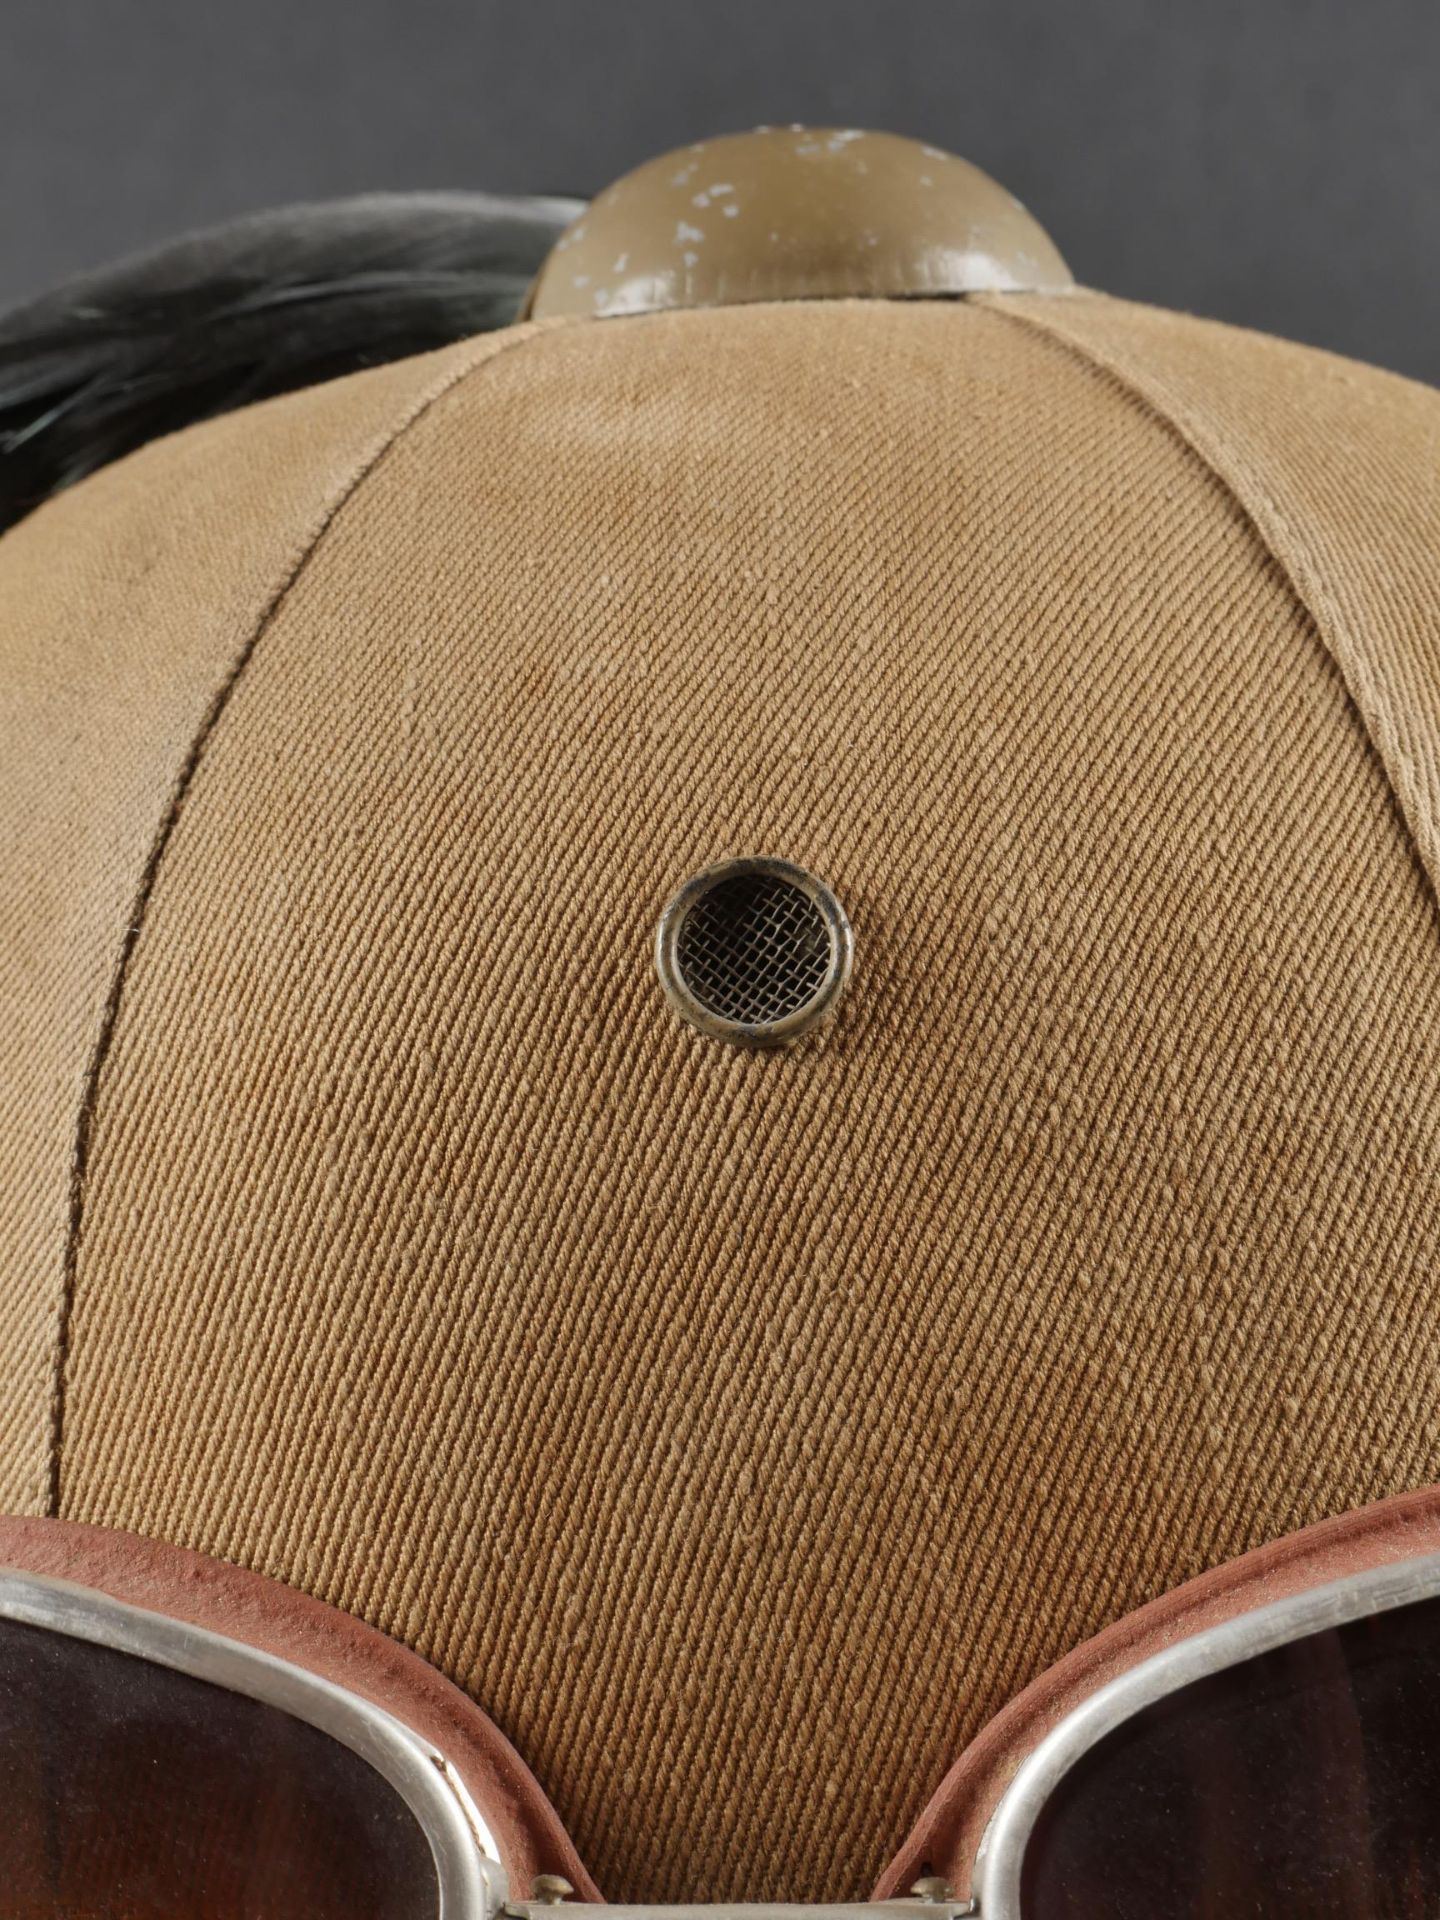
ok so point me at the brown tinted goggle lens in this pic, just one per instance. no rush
(130, 1792)
(1303, 1783)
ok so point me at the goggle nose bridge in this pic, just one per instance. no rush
(932, 1899)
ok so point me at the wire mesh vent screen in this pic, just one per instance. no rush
(754, 949)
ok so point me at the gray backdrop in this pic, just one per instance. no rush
(1274, 162)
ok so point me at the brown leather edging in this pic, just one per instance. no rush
(946, 1837)
(262, 1613)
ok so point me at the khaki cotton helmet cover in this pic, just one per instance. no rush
(740, 1429)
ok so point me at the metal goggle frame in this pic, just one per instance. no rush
(472, 1878)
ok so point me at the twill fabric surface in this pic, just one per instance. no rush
(124, 607)
(742, 1431)
(1339, 467)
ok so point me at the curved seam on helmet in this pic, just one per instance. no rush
(1151, 404)
(494, 349)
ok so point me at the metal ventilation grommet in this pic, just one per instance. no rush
(756, 952)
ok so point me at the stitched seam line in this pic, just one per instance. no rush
(1102, 365)
(109, 1018)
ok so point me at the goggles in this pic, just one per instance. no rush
(179, 1738)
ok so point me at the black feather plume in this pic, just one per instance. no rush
(258, 307)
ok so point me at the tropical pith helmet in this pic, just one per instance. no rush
(1022, 704)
